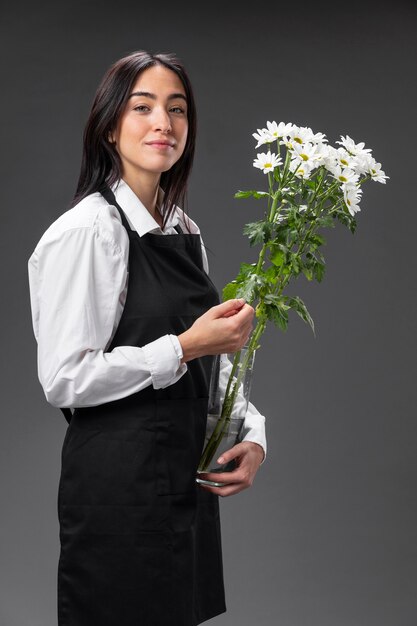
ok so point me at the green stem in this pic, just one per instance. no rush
(230, 397)
(265, 246)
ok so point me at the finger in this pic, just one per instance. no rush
(228, 306)
(231, 454)
(223, 492)
(222, 477)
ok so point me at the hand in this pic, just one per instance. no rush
(248, 456)
(224, 328)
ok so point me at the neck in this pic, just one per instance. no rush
(146, 189)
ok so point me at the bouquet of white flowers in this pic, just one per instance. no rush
(310, 185)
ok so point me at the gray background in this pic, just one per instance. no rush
(327, 534)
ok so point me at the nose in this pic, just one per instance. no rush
(162, 121)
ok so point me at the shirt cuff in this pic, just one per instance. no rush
(163, 357)
(254, 430)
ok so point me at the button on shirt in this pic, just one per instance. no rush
(78, 279)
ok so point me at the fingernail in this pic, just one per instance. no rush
(220, 459)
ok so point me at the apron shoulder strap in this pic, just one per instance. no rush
(111, 199)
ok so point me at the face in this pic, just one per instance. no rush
(152, 131)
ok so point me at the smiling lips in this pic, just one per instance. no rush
(160, 144)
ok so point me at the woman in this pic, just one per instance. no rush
(127, 321)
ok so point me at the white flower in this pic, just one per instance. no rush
(267, 162)
(319, 138)
(273, 132)
(302, 207)
(345, 175)
(352, 147)
(377, 174)
(300, 135)
(262, 137)
(345, 159)
(301, 169)
(366, 164)
(277, 131)
(328, 156)
(306, 153)
(352, 196)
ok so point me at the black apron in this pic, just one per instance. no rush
(140, 540)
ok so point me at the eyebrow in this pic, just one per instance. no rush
(147, 94)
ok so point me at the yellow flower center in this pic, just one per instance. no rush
(298, 140)
(268, 165)
(343, 162)
(343, 179)
(305, 157)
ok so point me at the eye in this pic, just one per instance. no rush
(178, 109)
(140, 107)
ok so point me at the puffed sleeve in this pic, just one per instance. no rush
(76, 278)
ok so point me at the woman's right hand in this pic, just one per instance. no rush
(224, 328)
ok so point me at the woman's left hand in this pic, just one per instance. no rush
(248, 457)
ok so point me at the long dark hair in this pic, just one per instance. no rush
(101, 165)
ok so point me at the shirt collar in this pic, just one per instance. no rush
(137, 214)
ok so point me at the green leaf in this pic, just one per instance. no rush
(229, 291)
(276, 310)
(295, 264)
(308, 272)
(326, 221)
(319, 270)
(277, 257)
(258, 232)
(277, 315)
(245, 270)
(248, 290)
(251, 193)
(279, 301)
(298, 305)
(316, 240)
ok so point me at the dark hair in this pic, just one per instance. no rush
(101, 165)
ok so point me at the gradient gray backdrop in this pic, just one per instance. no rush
(327, 534)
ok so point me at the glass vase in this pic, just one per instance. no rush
(230, 385)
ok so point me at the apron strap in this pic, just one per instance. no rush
(111, 199)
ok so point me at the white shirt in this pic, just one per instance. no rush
(78, 278)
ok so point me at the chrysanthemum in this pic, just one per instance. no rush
(267, 162)
(306, 152)
(262, 137)
(366, 164)
(352, 196)
(300, 135)
(277, 131)
(344, 159)
(301, 169)
(352, 147)
(344, 175)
